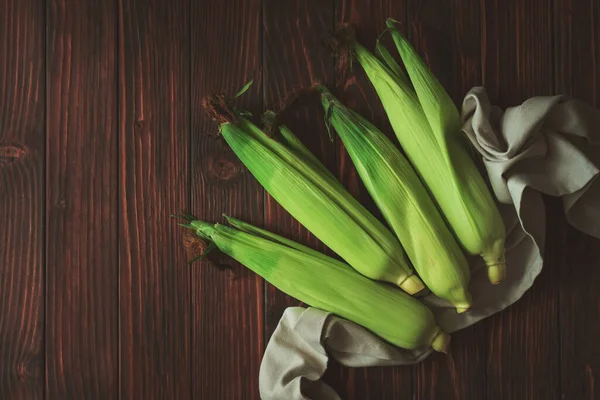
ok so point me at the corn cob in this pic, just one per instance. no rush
(326, 283)
(427, 125)
(404, 203)
(304, 187)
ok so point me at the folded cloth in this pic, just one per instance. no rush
(547, 145)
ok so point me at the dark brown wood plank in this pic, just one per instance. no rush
(356, 91)
(579, 310)
(577, 38)
(81, 201)
(22, 99)
(154, 129)
(294, 57)
(227, 328)
(447, 35)
(523, 359)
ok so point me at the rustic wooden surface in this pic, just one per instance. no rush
(102, 137)
(81, 268)
(22, 199)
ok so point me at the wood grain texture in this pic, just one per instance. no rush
(294, 30)
(577, 35)
(22, 95)
(154, 132)
(356, 91)
(227, 331)
(523, 360)
(81, 201)
(447, 35)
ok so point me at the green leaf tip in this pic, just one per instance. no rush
(231, 220)
(389, 61)
(391, 22)
(244, 89)
(328, 114)
(328, 101)
(184, 215)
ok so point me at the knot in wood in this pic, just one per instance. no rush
(28, 369)
(223, 168)
(10, 153)
(138, 125)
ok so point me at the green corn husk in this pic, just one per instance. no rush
(304, 187)
(404, 202)
(328, 284)
(427, 125)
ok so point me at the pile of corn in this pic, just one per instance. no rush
(434, 200)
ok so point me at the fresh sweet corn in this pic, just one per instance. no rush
(304, 187)
(328, 284)
(427, 125)
(404, 203)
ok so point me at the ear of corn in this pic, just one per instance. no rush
(298, 182)
(427, 126)
(404, 202)
(328, 284)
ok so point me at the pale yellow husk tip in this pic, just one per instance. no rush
(412, 285)
(441, 342)
(496, 265)
(497, 273)
(462, 300)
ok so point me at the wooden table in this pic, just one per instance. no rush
(102, 136)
